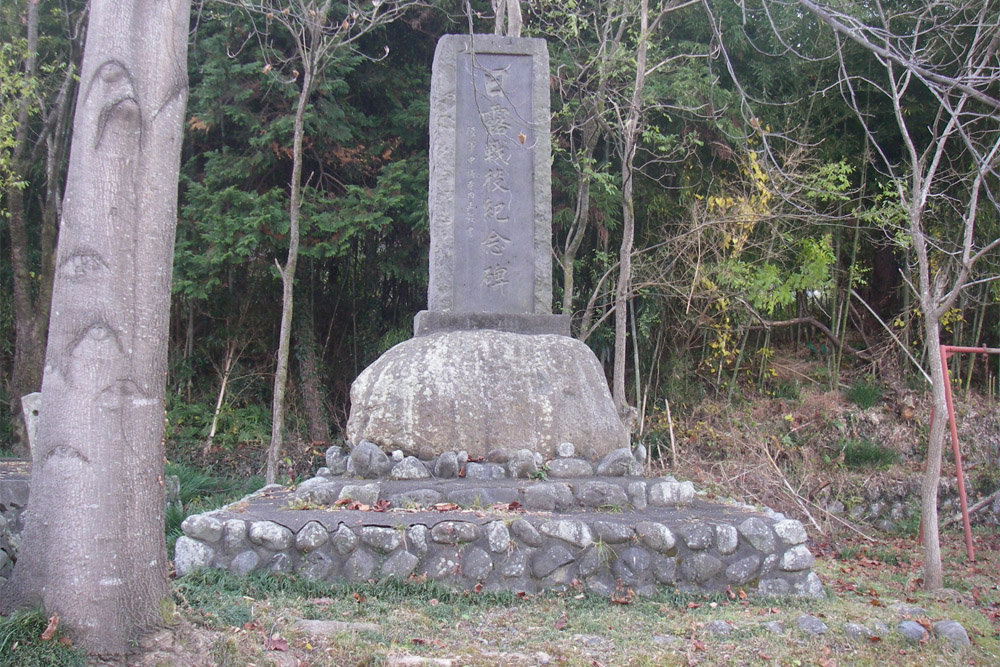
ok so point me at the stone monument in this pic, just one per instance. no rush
(490, 366)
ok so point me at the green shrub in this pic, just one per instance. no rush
(864, 394)
(866, 454)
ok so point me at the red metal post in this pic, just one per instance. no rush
(946, 352)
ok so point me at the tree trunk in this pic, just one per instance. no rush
(93, 549)
(629, 144)
(313, 399)
(581, 214)
(288, 280)
(933, 575)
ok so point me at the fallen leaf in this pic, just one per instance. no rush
(444, 507)
(698, 645)
(478, 588)
(560, 622)
(381, 505)
(693, 605)
(418, 641)
(433, 602)
(50, 630)
(340, 502)
(358, 597)
(276, 644)
(742, 594)
(65, 640)
(874, 639)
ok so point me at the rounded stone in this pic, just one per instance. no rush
(280, 563)
(726, 539)
(344, 541)
(565, 450)
(612, 532)
(381, 538)
(366, 494)
(270, 535)
(655, 535)
(756, 531)
(412, 394)
(664, 494)
(719, 628)
(235, 531)
(697, 536)
(315, 566)
(790, 531)
(400, 565)
(446, 465)
(360, 566)
(912, 631)
(576, 533)
(476, 564)
(566, 468)
(245, 562)
(527, 533)
(416, 538)
(619, 463)
(601, 494)
(743, 570)
(498, 536)
(190, 554)
(409, 468)
(701, 567)
(630, 566)
(202, 527)
(368, 461)
(311, 537)
(796, 559)
(454, 532)
(952, 631)
(548, 497)
(546, 561)
(521, 464)
(811, 625)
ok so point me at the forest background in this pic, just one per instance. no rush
(768, 186)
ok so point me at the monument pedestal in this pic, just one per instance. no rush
(483, 390)
(430, 321)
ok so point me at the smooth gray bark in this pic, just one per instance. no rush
(93, 549)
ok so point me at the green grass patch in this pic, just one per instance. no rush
(21, 644)
(864, 394)
(866, 454)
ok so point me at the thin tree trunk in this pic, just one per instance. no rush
(93, 549)
(288, 280)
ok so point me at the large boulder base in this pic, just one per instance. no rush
(483, 390)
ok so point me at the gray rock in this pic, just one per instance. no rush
(270, 535)
(619, 463)
(593, 559)
(880, 628)
(770, 562)
(344, 541)
(743, 570)
(397, 455)
(311, 537)
(912, 631)
(697, 536)
(318, 491)
(639, 454)
(726, 539)
(235, 534)
(190, 554)
(415, 498)
(446, 466)
(773, 587)
(565, 450)
(904, 609)
(790, 531)
(637, 495)
(856, 631)
(515, 564)
(315, 566)
(612, 532)
(416, 538)
(665, 640)
(485, 471)
(527, 533)
(774, 627)
(567, 468)
(410, 468)
(360, 566)
(600, 494)
(366, 494)
(796, 559)
(655, 535)
(454, 532)
(202, 527)
(438, 384)
(700, 567)
(476, 564)
(497, 456)
(368, 461)
(443, 566)
(756, 531)
(835, 507)
(951, 631)
(336, 460)
(631, 565)
(481, 497)
(548, 497)
(280, 563)
(576, 533)
(521, 464)
(719, 628)
(245, 562)
(548, 560)
(664, 494)
(462, 458)
(811, 625)
(810, 587)
(498, 536)
(664, 569)
(400, 565)
(601, 584)
(381, 538)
